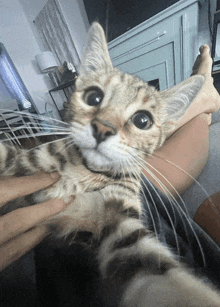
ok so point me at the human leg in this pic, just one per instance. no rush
(207, 101)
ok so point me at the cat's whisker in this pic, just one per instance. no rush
(168, 214)
(138, 177)
(31, 126)
(125, 171)
(152, 217)
(36, 135)
(179, 196)
(29, 129)
(184, 212)
(152, 199)
(171, 201)
(195, 181)
(130, 176)
(169, 195)
(15, 140)
(35, 116)
(70, 143)
(166, 190)
(162, 202)
(175, 190)
(185, 216)
(66, 145)
(46, 126)
(124, 165)
(47, 143)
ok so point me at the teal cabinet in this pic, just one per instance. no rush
(162, 48)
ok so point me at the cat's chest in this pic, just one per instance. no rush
(91, 189)
(91, 211)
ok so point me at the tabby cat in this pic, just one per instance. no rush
(114, 121)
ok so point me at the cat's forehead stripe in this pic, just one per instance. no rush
(108, 80)
(145, 99)
(141, 97)
(113, 89)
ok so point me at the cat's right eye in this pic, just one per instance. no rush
(142, 120)
(93, 96)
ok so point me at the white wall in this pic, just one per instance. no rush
(31, 9)
(77, 21)
(16, 35)
(74, 14)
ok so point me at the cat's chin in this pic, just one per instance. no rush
(97, 161)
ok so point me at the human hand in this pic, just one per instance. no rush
(19, 229)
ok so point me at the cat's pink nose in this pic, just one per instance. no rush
(101, 131)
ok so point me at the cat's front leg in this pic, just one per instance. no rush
(176, 287)
(138, 270)
(84, 214)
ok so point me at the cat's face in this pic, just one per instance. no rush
(117, 118)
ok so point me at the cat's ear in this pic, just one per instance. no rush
(179, 98)
(96, 55)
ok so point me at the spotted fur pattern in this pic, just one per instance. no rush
(115, 120)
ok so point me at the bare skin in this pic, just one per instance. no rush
(208, 100)
(191, 138)
(20, 230)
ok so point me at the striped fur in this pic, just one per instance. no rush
(100, 167)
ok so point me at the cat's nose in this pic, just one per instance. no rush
(101, 131)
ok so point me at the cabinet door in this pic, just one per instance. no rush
(162, 48)
(153, 65)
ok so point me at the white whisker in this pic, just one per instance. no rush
(37, 134)
(196, 181)
(36, 116)
(175, 190)
(182, 211)
(162, 202)
(34, 126)
(50, 142)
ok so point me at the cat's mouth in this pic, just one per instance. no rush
(96, 159)
(104, 156)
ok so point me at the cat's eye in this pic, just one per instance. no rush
(93, 96)
(142, 120)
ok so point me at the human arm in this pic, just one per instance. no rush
(188, 145)
(188, 149)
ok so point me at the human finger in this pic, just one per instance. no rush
(14, 187)
(19, 246)
(20, 220)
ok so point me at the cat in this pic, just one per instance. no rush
(114, 120)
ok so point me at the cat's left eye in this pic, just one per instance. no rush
(93, 96)
(142, 120)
